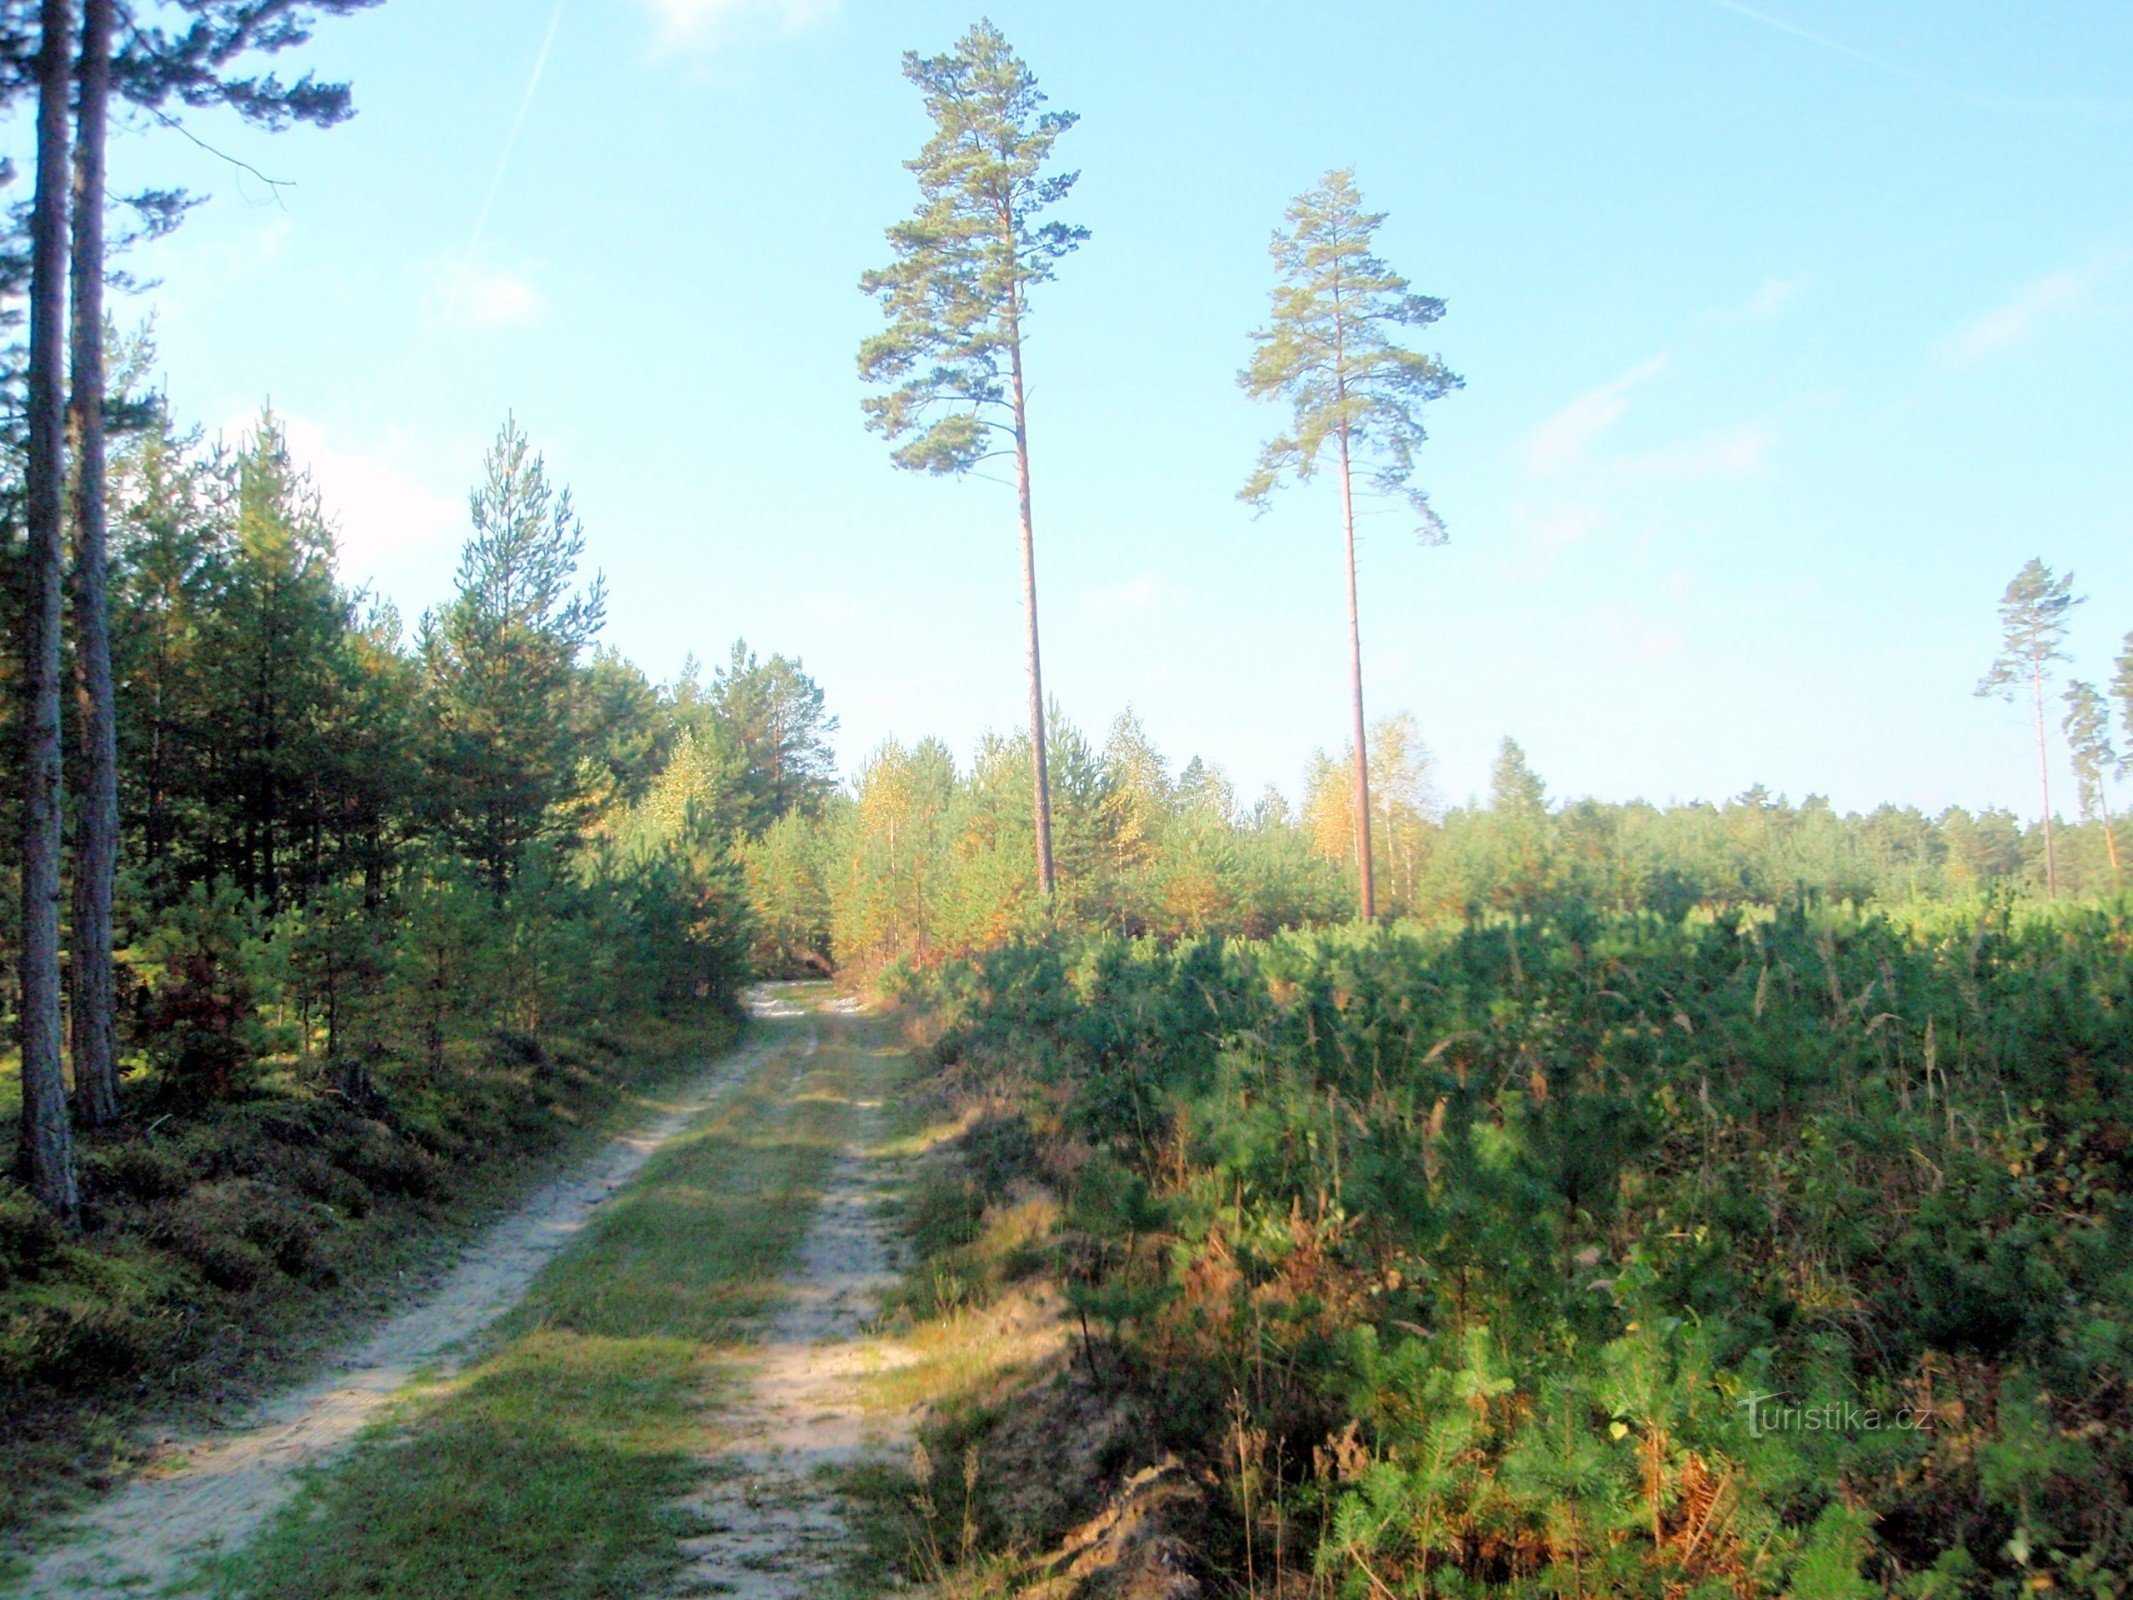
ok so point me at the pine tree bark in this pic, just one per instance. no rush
(1364, 865)
(96, 838)
(1042, 782)
(2044, 780)
(48, 1136)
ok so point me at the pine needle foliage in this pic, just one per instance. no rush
(957, 295)
(502, 659)
(1754, 1252)
(957, 298)
(1333, 350)
(2034, 614)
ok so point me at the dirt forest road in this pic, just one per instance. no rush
(771, 1530)
(774, 1533)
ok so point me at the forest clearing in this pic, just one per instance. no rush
(493, 1119)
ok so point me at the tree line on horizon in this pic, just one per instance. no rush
(920, 859)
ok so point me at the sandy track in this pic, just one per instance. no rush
(215, 1492)
(778, 1532)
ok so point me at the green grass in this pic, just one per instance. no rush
(559, 1435)
(553, 1468)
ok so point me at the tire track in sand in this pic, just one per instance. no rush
(778, 1530)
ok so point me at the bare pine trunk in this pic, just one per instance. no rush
(48, 1135)
(1046, 879)
(1365, 870)
(2044, 781)
(96, 832)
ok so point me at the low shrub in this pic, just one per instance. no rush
(136, 1170)
(1750, 1253)
(91, 1318)
(29, 1239)
(310, 1172)
(383, 1161)
(239, 1229)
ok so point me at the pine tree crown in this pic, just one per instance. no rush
(1333, 349)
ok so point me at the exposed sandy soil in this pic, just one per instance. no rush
(215, 1491)
(778, 1528)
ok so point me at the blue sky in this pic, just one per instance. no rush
(1790, 331)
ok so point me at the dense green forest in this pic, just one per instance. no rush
(924, 858)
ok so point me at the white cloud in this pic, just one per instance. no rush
(1565, 440)
(1765, 303)
(379, 504)
(485, 299)
(1564, 445)
(1772, 297)
(707, 24)
(1635, 638)
(1143, 595)
(2012, 321)
(1567, 523)
(834, 608)
(1654, 645)
(1735, 453)
(268, 245)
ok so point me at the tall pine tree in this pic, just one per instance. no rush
(199, 66)
(776, 718)
(957, 300)
(276, 640)
(2033, 619)
(2087, 726)
(47, 1130)
(1332, 350)
(96, 834)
